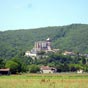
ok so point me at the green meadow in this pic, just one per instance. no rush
(44, 81)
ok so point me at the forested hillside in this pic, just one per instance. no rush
(71, 37)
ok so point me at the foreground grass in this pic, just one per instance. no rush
(44, 81)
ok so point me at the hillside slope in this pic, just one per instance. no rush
(71, 37)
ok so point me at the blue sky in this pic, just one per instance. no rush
(27, 14)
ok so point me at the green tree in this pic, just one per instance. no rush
(34, 68)
(72, 67)
(22, 67)
(2, 63)
(84, 61)
(12, 65)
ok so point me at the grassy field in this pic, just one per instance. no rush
(44, 81)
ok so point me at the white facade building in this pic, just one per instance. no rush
(47, 69)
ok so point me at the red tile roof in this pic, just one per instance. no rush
(46, 68)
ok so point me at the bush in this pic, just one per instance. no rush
(34, 69)
(13, 66)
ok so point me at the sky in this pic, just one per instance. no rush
(28, 14)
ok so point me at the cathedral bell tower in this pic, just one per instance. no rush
(48, 44)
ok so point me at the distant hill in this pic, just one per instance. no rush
(72, 37)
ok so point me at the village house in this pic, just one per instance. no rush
(5, 71)
(68, 53)
(47, 69)
(32, 55)
(80, 71)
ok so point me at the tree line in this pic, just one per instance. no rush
(63, 63)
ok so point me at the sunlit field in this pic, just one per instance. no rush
(44, 81)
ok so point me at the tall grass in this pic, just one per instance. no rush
(44, 81)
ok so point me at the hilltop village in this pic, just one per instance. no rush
(38, 47)
(44, 46)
